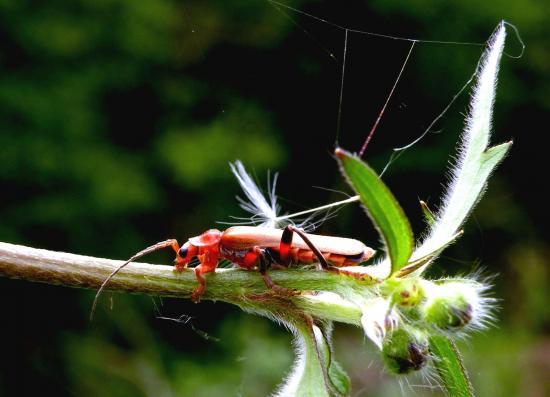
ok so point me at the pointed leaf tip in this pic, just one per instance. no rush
(339, 153)
(476, 161)
(428, 214)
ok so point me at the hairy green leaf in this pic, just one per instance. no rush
(475, 161)
(449, 365)
(314, 373)
(382, 207)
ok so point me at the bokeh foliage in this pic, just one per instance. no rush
(118, 119)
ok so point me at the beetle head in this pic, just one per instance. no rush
(207, 241)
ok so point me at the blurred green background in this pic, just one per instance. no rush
(117, 122)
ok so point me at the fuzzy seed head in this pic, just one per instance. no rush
(455, 305)
(449, 314)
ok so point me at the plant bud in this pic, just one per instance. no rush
(404, 350)
(405, 292)
(453, 305)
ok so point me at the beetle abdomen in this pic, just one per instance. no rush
(306, 256)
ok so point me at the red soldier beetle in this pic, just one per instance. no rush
(257, 247)
(252, 247)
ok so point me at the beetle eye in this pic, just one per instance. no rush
(182, 252)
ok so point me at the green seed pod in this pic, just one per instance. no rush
(404, 350)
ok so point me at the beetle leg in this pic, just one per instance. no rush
(265, 263)
(286, 242)
(322, 260)
(250, 259)
(197, 292)
(257, 256)
(263, 270)
(206, 266)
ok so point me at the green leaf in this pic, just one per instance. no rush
(339, 378)
(428, 214)
(449, 365)
(340, 382)
(382, 207)
(314, 373)
(476, 160)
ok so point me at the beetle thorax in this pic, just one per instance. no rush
(210, 238)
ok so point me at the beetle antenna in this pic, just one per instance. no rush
(371, 132)
(148, 250)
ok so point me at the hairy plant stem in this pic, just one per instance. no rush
(240, 287)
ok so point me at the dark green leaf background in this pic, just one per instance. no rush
(117, 122)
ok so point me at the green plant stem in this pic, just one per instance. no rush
(240, 287)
